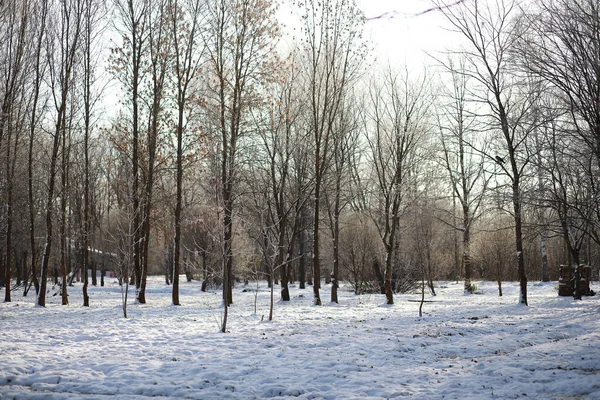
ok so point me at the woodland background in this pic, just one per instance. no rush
(202, 137)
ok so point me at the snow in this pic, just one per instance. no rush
(464, 347)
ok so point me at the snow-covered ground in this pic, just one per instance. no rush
(464, 347)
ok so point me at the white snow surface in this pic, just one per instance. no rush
(464, 347)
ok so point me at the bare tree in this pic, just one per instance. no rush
(40, 63)
(13, 72)
(570, 194)
(281, 138)
(301, 184)
(396, 121)
(562, 47)
(491, 32)
(185, 22)
(63, 48)
(333, 52)
(92, 28)
(337, 190)
(127, 65)
(463, 163)
(239, 39)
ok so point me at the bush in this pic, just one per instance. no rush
(473, 289)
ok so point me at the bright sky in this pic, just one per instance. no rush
(403, 37)
(398, 35)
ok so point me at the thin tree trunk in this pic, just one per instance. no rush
(14, 73)
(336, 253)
(178, 205)
(136, 49)
(41, 300)
(316, 253)
(86, 189)
(430, 269)
(422, 291)
(519, 242)
(544, 255)
(467, 251)
(9, 217)
(66, 66)
(283, 262)
(63, 217)
(302, 261)
(389, 296)
(271, 294)
(204, 272)
(32, 127)
(336, 238)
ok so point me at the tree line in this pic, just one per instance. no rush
(201, 137)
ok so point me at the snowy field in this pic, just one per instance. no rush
(464, 347)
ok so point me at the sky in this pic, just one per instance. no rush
(401, 34)
(400, 31)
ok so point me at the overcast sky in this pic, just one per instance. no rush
(397, 32)
(403, 36)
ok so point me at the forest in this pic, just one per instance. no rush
(200, 138)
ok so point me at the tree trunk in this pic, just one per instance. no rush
(467, 250)
(166, 261)
(136, 62)
(336, 256)
(86, 211)
(204, 272)
(519, 242)
(285, 290)
(282, 260)
(316, 266)
(302, 261)
(178, 206)
(21, 271)
(271, 294)
(63, 217)
(9, 219)
(301, 237)
(33, 124)
(389, 296)
(379, 275)
(228, 285)
(430, 270)
(336, 241)
(544, 254)
(41, 300)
